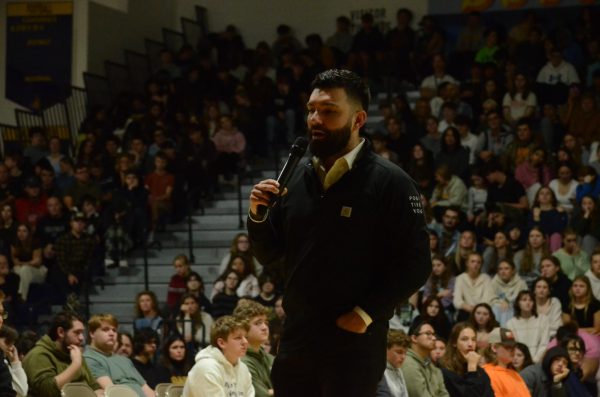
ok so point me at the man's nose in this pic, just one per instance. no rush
(314, 118)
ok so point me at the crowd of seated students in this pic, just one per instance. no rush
(502, 139)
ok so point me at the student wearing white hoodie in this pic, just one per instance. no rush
(218, 371)
(471, 287)
(504, 288)
(593, 274)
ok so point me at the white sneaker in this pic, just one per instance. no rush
(108, 262)
(123, 263)
(150, 238)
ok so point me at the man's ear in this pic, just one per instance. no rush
(221, 343)
(60, 332)
(360, 119)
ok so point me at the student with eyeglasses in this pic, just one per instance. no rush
(422, 377)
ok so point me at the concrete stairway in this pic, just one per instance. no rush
(212, 235)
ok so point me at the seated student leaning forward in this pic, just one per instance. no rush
(56, 359)
(218, 371)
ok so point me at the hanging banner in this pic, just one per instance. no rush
(476, 5)
(38, 52)
(466, 6)
(549, 3)
(513, 4)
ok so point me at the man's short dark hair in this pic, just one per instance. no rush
(113, 138)
(10, 335)
(525, 121)
(449, 105)
(161, 155)
(26, 341)
(462, 120)
(493, 166)
(37, 131)
(406, 12)
(493, 111)
(343, 20)
(452, 208)
(443, 85)
(81, 166)
(415, 328)
(283, 29)
(353, 84)
(62, 320)
(143, 336)
(67, 160)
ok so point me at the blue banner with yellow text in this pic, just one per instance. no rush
(38, 52)
(466, 6)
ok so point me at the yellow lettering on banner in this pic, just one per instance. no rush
(38, 42)
(50, 19)
(476, 5)
(38, 79)
(27, 9)
(513, 4)
(549, 3)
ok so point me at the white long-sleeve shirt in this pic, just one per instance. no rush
(595, 281)
(564, 73)
(19, 378)
(553, 315)
(471, 292)
(533, 332)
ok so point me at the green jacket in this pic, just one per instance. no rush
(259, 363)
(44, 362)
(422, 377)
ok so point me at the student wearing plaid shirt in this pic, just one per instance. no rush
(74, 253)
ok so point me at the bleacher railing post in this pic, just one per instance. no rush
(146, 280)
(239, 189)
(190, 210)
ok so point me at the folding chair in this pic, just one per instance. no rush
(120, 391)
(161, 389)
(77, 389)
(174, 391)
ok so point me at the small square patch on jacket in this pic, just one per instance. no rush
(346, 212)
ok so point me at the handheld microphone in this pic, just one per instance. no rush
(296, 153)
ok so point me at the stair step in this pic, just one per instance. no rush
(121, 309)
(208, 222)
(156, 274)
(230, 203)
(120, 293)
(212, 238)
(202, 256)
(226, 210)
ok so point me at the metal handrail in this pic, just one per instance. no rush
(190, 209)
(241, 224)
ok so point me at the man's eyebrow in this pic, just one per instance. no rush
(328, 103)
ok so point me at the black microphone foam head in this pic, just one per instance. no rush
(299, 146)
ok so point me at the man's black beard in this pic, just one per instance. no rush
(335, 141)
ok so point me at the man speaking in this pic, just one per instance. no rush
(351, 231)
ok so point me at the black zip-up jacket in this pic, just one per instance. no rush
(362, 243)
